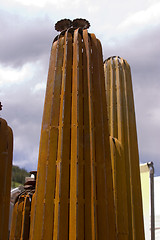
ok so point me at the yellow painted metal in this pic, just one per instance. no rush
(124, 149)
(74, 190)
(6, 150)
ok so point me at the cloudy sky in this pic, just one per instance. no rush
(130, 29)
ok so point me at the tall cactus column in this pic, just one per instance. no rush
(124, 149)
(74, 192)
(6, 152)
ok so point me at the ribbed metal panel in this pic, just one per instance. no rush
(124, 149)
(22, 216)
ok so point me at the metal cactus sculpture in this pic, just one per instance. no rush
(6, 152)
(74, 191)
(88, 181)
(124, 149)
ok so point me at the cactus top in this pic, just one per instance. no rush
(64, 24)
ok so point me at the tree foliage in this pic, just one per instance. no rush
(19, 174)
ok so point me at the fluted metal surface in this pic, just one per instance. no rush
(6, 151)
(22, 216)
(74, 190)
(124, 149)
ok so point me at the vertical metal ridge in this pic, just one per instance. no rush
(80, 164)
(127, 156)
(109, 196)
(86, 149)
(50, 85)
(56, 123)
(3, 170)
(102, 231)
(137, 211)
(64, 184)
(119, 93)
(13, 223)
(107, 66)
(26, 218)
(108, 70)
(18, 227)
(49, 137)
(48, 211)
(40, 189)
(125, 145)
(113, 102)
(7, 182)
(74, 140)
(91, 223)
(6, 151)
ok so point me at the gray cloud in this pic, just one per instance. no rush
(23, 108)
(23, 39)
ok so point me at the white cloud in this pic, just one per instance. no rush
(10, 76)
(140, 20)
(39, 87)
(38, 3)
(156, 114)
(61, 4)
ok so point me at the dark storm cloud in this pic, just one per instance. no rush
(24, 40)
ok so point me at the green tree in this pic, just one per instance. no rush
(19, 174)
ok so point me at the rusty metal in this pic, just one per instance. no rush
(13, 225)
(74, 190)
(80, 23)
(22, 212)
(6, 150)
(124, 149)
(65, 24)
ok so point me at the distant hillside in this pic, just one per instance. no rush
(18, 176)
